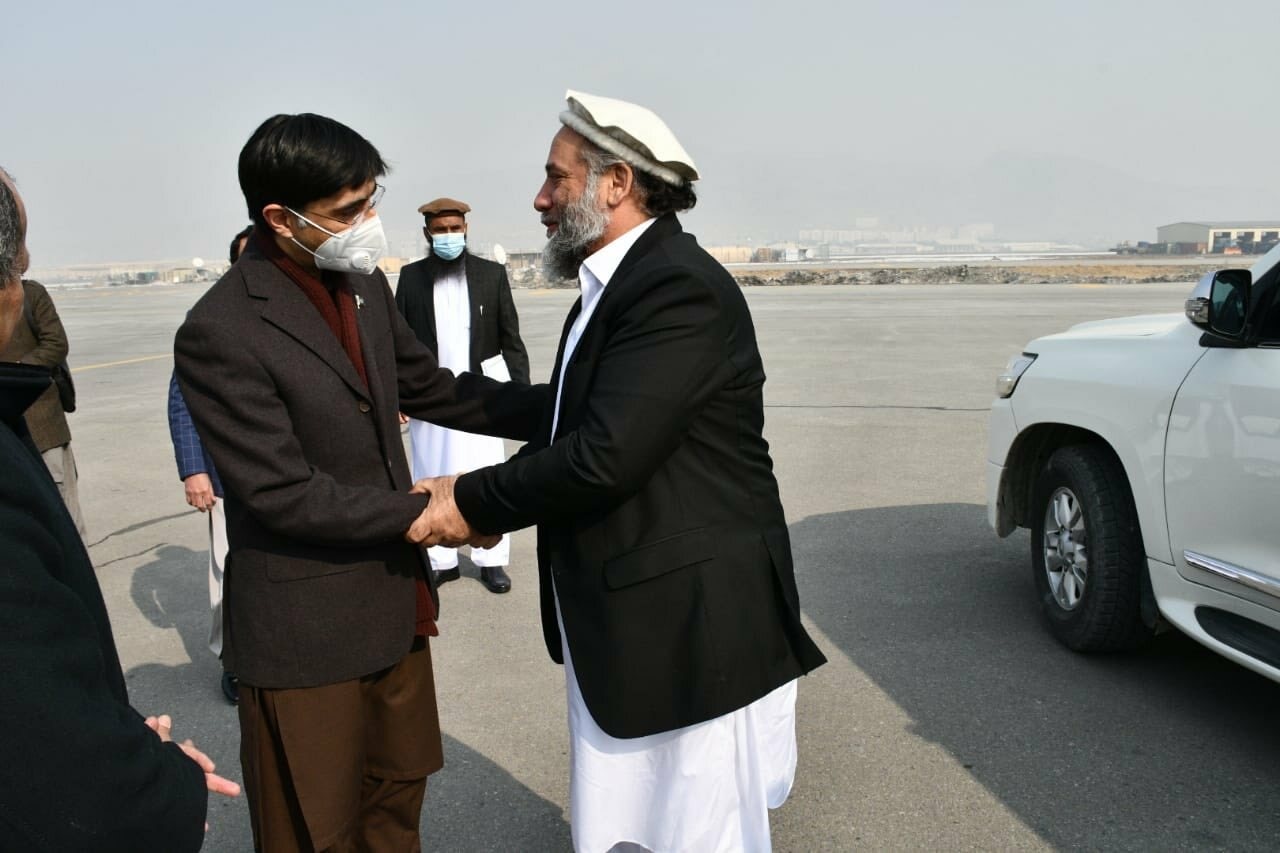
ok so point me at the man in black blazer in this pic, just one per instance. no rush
(79, 768)
(460, 306)
(667, 584)
(294, 366)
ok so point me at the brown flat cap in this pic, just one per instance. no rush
(439, 206)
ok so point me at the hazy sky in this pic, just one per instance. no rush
(1088, 121)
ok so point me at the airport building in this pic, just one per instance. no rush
(730, 254)
(1243, 236)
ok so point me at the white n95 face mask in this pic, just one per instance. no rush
(358, 249)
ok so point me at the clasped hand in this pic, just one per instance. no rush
(441, 523)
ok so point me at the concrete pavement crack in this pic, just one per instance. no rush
(100, 566)
(138, 526)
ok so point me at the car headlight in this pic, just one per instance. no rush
(1007, 381)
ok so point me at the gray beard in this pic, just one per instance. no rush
(582, 223)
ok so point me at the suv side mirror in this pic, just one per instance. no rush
(1220, 303)
(1229, 302)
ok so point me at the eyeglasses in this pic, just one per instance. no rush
(378, 190)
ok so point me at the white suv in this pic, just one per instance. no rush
(1144, 455)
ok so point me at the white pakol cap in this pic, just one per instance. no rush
(631, 132)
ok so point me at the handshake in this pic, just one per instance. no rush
(441, 523)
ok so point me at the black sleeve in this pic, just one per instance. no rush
(666, 355)
(513, 351)
(403, 292)
(79, 770)
(410, 301)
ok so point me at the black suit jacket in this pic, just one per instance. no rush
(495, 328)
(319, 582)
(658, 514)
(79, 769)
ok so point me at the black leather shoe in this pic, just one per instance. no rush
(446, 575)
(495, 579)
(231, 688)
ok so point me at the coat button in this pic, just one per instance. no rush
(364, 407)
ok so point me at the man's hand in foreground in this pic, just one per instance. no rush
(163, 725)
(441, 523)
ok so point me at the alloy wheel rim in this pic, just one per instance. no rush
(1066, 555)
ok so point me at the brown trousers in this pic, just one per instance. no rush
(342, 767)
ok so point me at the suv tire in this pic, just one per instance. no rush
(1086, 551)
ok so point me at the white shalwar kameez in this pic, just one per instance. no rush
(438, 451)
(706, 788)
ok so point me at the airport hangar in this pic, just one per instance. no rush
(1251, 235)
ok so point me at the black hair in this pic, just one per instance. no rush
(234, 254)
(660, 197)
(294, 160)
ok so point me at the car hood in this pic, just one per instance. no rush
(1153, 351)
(1173, 326)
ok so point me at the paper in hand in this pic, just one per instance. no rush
(495, 368)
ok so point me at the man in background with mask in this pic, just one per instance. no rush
(460, 307)
(293, 366)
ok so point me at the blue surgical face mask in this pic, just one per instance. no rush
(448, 246)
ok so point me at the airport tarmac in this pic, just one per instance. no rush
(947, 718)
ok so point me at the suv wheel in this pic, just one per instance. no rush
(1086, 551)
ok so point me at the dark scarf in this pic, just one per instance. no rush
(338, 308)
(336, 305)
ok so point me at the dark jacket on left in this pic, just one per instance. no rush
(79, 769)
(320, 583)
